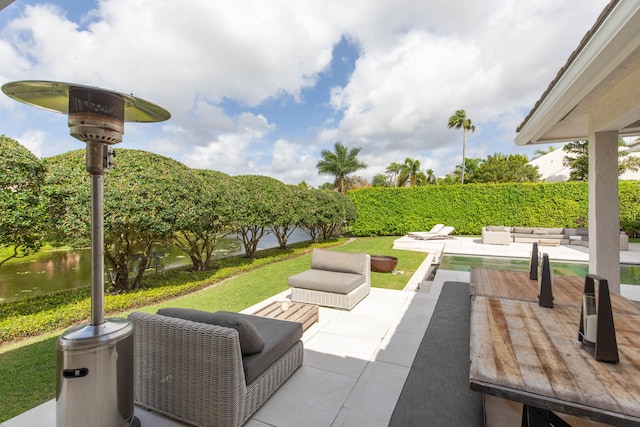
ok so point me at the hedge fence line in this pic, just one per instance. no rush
(397, 211)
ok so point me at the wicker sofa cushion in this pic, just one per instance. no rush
(498, 228)
(523, 230)
(555, 231)
(343, 262)
(251, 340)
(327, 281)
(279, 336)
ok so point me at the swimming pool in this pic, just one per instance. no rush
(629, 273)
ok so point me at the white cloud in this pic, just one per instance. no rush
(427, 60)
(419, 62)
(34, 141)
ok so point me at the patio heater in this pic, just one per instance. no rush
(94, 384)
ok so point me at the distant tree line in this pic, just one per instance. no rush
(151, 200)
(496, 168)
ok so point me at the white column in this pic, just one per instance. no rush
(604, 210)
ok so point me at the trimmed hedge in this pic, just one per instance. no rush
(397, 211)
(35, 315)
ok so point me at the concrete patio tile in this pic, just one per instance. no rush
(344, 355)
(311, 397)
(150, 418)
(357, 326)
(399, 348)
(350, 417)
(388, 295)
(381, 309)
(415, 317)
(39, 416)
(378, 389)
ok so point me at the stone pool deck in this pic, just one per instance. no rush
(473, 246)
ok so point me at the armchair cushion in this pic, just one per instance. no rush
(327, 281)
(279, 336)
(342, 262)
(251, 341)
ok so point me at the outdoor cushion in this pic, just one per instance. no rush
(497, 228)
(540, 231)
(555, 230)
(344, 262)
(523, 230)
(582, 231)
(251, 340)
(327, 281)
(279, 336)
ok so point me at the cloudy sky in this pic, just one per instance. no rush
(262, 87)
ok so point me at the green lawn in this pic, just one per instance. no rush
(28, 369)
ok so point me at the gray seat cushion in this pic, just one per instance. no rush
(251, 340)
(523, 230)
(279, 336)
(341, 262)
(327, 281)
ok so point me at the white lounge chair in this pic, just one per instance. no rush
(434, 230)
(443, 233)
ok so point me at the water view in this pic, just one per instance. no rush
(629, 273)
(59, 270)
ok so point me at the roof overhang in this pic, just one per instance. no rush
(598, 89)
(5, 3)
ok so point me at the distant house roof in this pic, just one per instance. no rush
(598, 88)
(552, 170)
(550, 166)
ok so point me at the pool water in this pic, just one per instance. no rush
(629, 273)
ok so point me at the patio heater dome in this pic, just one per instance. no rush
(94, 384)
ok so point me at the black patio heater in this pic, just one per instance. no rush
(94, 385)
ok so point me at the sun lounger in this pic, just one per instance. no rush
(443, 233)
(434, 230)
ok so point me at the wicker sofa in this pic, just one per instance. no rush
(336, 279)
(501, 235)
(198, 373)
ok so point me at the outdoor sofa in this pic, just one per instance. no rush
(211, 369)
(501, 235)
(336, 279)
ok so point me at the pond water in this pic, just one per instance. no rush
(629, 273)
(58, 270)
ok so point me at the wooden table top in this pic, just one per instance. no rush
(307, 314)
(567, 290)
(530, 354)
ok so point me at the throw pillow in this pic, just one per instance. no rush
(251, 341)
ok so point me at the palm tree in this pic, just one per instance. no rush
(409, 171)
(460, 120)
(394, 169)
(430, 176)
(340, 164)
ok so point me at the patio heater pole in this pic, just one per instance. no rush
(94, 384)
(97, 239)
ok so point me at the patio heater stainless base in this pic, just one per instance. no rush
(95, 375)
(95, 361)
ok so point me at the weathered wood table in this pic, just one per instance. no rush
(307, 314)
(530, 354)
(567, 290)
